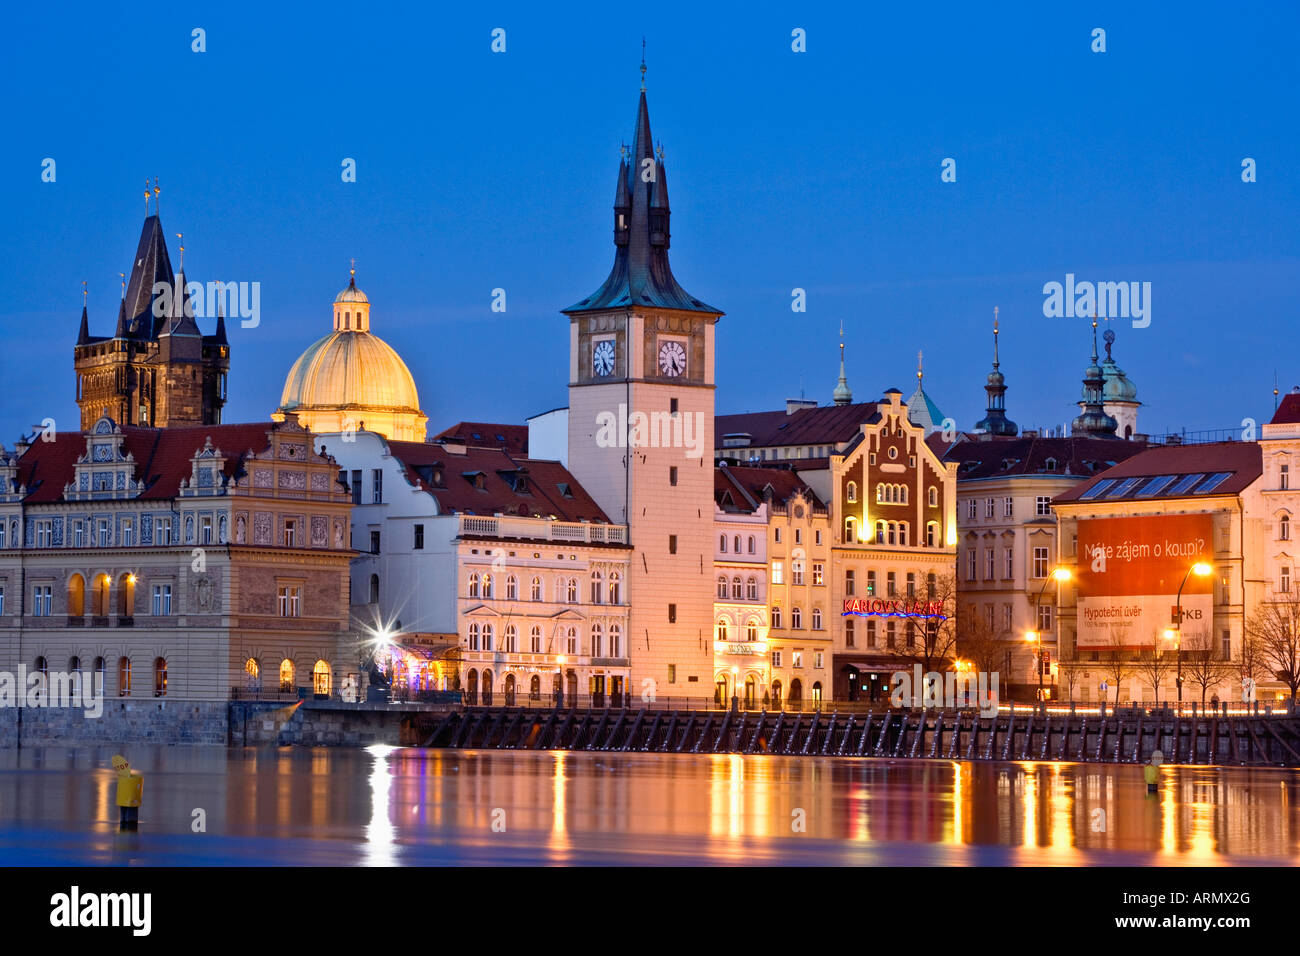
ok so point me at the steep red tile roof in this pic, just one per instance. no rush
(824, 425)
(1288, 413)
(752, 484)
(162, 457)
(1241, 461)
(546, 484)
(513, 438)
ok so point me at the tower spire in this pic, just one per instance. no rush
(842, 394)
(995, 421)
(1093, 421)
(643, 64)
(920, 369)
(995, 337)
(83, 334)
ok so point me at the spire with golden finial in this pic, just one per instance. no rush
(182, 248)
(842, 395)
(146, 197)
(157, 206)
(919, 368)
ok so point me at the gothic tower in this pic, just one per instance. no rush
(641, 383)
(157, 369)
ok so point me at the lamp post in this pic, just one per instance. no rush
(559, 687)
(735, 689)
(1057, 574)
(1200, 569)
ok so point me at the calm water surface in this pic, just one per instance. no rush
(384, 806)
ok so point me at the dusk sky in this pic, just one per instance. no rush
(817, 170)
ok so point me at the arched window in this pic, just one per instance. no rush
(77, 596)
(535, 639)
(817, 619)
(751, 630)
(735, 588)
(751, 544)
(721, 630)
(512, 639)
(893, 533)
(796, 692)
(573, 590)
(934, 497)
(817, 693)
(751, 591)
(776, 693)
(535, 688)
(487, 585)
(74, 667)
(850, 530)
(43, 668)
(374, 589)
(537, 589)
(571, 640)
(487, 637)
(471, 686)
(126, 595)
(597, 587)
(473, 637)
(223, 529)
(880, 494)
(902, 532)
(615, 641)
(99, 673)
(722, 543)
(930, 583)
(1284, 528)
(880, 532)
(253, 675)
(851, 492)
(473, 585)
(722, 587)
(736, 543)
(160, 677)
(796, 617)
(322, 679)
(597, 640)
(615, 595)
(286, 676)
(932, 534)
(99, 606)
(512, 588)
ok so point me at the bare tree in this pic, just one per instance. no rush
(1114, 666)
(977, 642)
(1276, 626)
(1202, 668)
(933, 642)
(1071, 673)
(1152, 666)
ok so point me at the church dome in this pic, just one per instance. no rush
(352, 378)
(1118, 387)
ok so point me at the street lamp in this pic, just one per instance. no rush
(1200, 569)
(1058, 574)
(735, 689)
(559, 687)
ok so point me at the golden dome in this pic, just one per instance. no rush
(353, 378)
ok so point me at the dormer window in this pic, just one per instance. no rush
(1050, 464)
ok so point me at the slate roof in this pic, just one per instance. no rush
(1002, 457)
(823, 425)
(746, 487)
(641, 274)
(513, 438)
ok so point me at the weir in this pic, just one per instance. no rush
(1125, 736)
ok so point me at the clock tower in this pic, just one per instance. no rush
(641, 428)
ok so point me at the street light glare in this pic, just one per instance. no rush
(1061, 574)
(1202, 569)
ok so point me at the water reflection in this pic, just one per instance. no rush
(385, 805)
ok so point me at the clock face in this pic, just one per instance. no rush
(602, 358)
(672, 359)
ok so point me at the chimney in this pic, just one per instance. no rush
(793, 405)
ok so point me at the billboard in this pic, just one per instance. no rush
(1128, 578)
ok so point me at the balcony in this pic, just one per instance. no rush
(541, 529)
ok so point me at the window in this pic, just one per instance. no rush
(778, 572)
(871, 584)
(535, 640)
(41, 600)
(672, 406)
(1042, 505)
(536, 589)
(850, 585)
(817, 575)
(487, 637)
(851, 492)
(889, 635)
(776, 658)
(721, 631)
(798, 536)
(934, 497)
(871, 633)
(796, 572)
(910, 634)
(672, 614)
(988, 564)
(776, 535)
(796, 618)
(290, 533)
(1006, 617)
(377, 481)
(1227, 644)
(44, 533)
(848, 633)
(128, 532)
(124, 677)
(752, 545)
(162, 600)
(891, 584)
(291, 601)
(817, 619)
(988, 508)
(512, 588)
(970, 508)
(970, 564)
(776, 617)
(751, 589)
(672, 475)
(321, 679)
(571, 591)
(1008, 506)
(615, 641)
(615, 592)
(1284, 528)
(597, 587)
(818, 662)
(1284, 477)
(162, 530)
(103, 534)
(1040, 562)
(473, 637)
(374, 542)
(850, 530)
(911, 584)
(472, 589)
(1284, 583)
(1044, 618)
(2, 599)
(735, 589)
(419, 538)
(796, 658)
(356, 487)
(512, 639)
(736, 542)
(722, 543)
(672, 544)
(78, 536)
(160, 677)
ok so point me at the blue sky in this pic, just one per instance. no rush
(817, 170)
